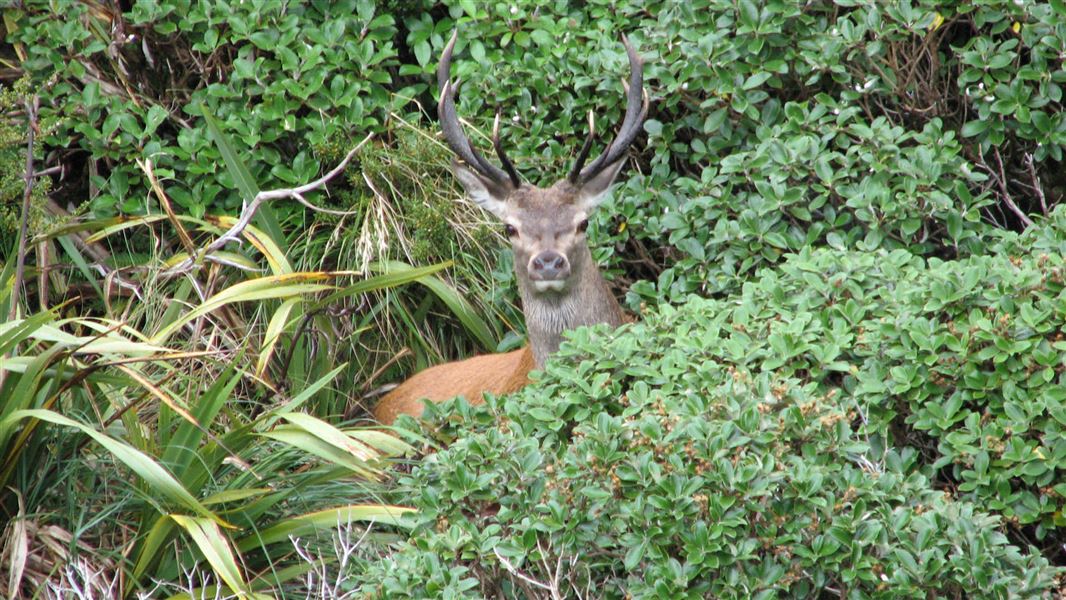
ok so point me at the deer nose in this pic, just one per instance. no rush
(549, 266)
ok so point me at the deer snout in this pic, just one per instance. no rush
(549, 265)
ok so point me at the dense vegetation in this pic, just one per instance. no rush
(843, 234)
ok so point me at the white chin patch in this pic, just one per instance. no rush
(546, 286)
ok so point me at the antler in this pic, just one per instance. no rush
(453, 131)
(636, 110)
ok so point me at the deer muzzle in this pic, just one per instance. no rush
(548, 270)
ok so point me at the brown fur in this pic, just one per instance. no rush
(470, 378)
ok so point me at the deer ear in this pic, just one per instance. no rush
(486, 193)
(595, 190)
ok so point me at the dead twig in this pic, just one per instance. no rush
(1002, 179)
(48, 171)
(1037, 186)
(249, 209)
(513, 570)
(20, 256)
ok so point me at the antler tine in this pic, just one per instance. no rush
(584, 153)
(506, 162)
(453, 131)
(636, 110)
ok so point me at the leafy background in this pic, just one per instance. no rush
(849, 212)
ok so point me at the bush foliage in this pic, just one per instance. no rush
(801, 435)
(907, 124)
(281, 79)
(850, 373)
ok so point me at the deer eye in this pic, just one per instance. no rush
(583, 225)
(510, 230)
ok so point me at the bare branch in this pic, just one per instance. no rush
(513, 570)
(337, 213)
(1002, 179)
(1037, 186)
(20, 256)
(48, 171)
(557, 577)
(250, 208)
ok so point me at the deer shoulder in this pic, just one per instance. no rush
(560, 285)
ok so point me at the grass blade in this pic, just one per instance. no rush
(274, 286)
(274, 329)
(311, 443)
(401, 273)
(455, 303)
(180, 453)
(80, 262)
(324, 520)
(207, 536)
(306, 394)
(150, 471)
(331, 435)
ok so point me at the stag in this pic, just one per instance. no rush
(560, 285)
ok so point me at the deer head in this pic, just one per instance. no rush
(560, 285)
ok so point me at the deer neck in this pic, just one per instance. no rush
(588, 301)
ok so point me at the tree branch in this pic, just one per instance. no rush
(1037, 187)
(1006, 194)
(250, 208)
(20, 256)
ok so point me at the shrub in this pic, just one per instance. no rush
(127, 86)
(974, 357)
(779, 126)
(908, 124)
(642, 465)
(940, 380)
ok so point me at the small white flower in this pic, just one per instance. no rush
(684, 86)
(834, 31)
(836, 111)
(989, 98)
(514, 10)
(869, 84)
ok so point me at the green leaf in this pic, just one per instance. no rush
(422, 52)
(156, 115)
(756, 79)
(975, 127)
(155, 476)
